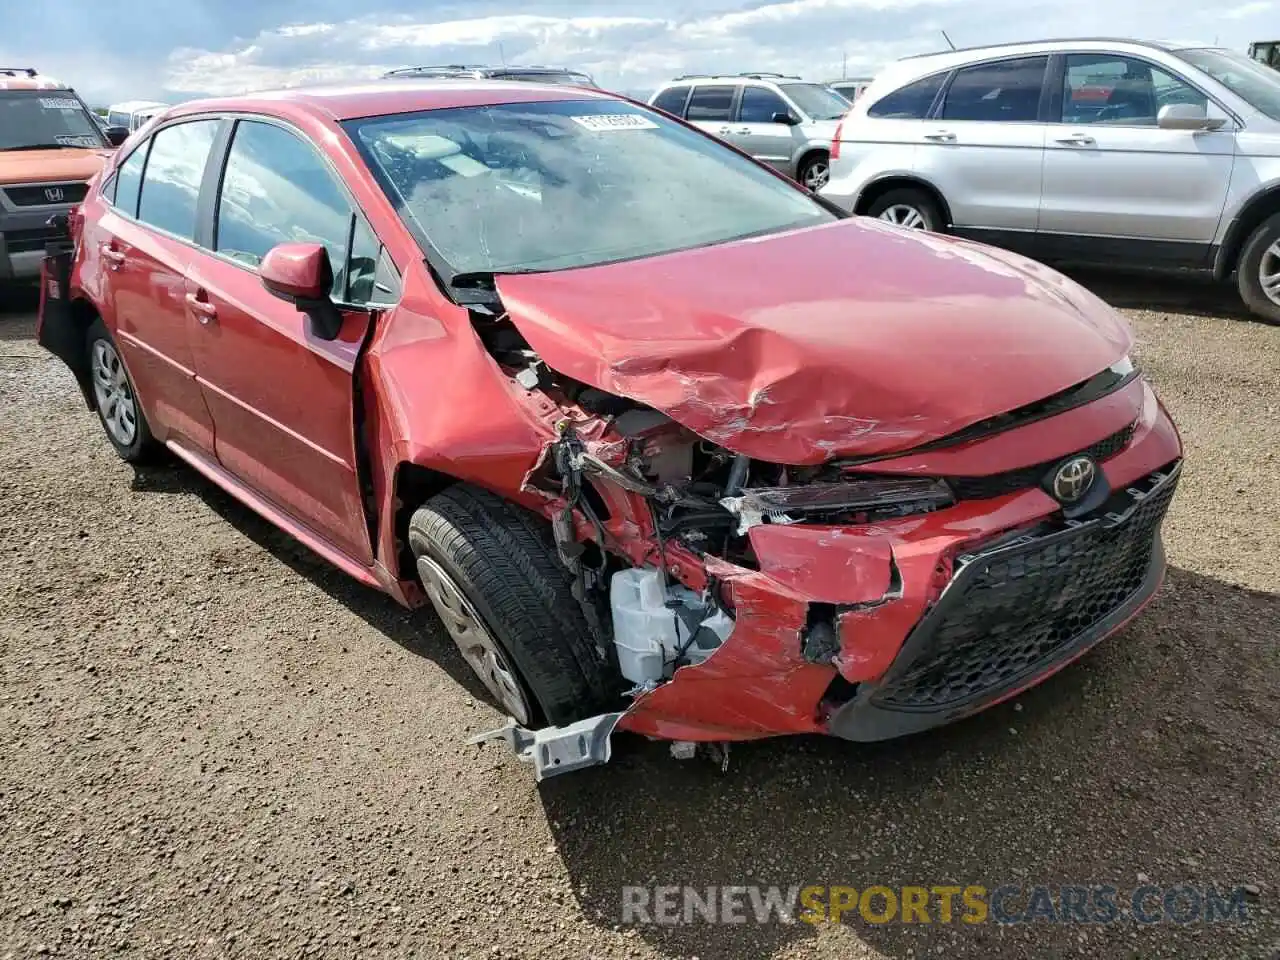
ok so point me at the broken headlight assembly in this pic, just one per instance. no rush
(849, 501)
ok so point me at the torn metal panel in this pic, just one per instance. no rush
(557, 750)
(799, 365)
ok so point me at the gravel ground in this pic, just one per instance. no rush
(211, 744)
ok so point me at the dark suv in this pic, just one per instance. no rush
(574, 78)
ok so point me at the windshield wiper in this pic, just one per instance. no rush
(41, 146)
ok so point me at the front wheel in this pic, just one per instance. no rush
(1258, 273)
(913, 209)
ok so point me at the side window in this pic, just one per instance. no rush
(128, 181)
(1004, 92)
(911, 102)
(171, 184)
(276, 189)
(1103, 88)
(759, 104)
(672, 100)
(115, 119)
(710, 103)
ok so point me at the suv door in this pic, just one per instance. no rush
(1110, 171)
(756, 132)
(147, 240)
(984, 149)
(711, 107)
(283, 400)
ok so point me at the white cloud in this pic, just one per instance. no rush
(644, 44)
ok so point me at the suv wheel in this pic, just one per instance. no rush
(815, 171)
(913, 209)
(116, 399)
(492, 573)
(1258, 273)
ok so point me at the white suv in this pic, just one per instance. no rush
(1107, 151)
(783, 121)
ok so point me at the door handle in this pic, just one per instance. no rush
(723, 131)
(113, 257)
(745, 130)
(1076, 140)
(942, 136)
(205, 311)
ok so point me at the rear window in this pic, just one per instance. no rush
(1007, 91)
(710, 103)
(171, 183)
(672, 100)
(911, 102)
(46, 120)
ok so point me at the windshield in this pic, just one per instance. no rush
(818, 102)
(1251, 81)
(556, 184)
(32, 119)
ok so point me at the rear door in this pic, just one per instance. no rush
(283, 400)
(711, 108)
(1111, 171)
(756, 132)
(146, 241)
(984, 149)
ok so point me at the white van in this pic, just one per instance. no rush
(133, 113)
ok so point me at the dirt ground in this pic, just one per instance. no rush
(212, 744)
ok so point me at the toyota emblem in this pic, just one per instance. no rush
(1073, 479)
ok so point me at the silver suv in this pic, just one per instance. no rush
(1107, 151)
(783, 121)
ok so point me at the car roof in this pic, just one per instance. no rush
(383, 97)
(27, 78)
(129, 106)
(455, 69)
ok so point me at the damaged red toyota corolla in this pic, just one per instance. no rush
(670, 445)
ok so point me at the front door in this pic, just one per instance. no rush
(756, 132)
(282, 399)
(1110, 171)
(711, 109)
(984, 149)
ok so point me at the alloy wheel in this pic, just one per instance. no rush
(475, 641)
(904, 216)
(817, 174)
(1269, 273)
(111, 389)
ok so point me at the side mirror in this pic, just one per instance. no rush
(788, 119)
(116, 135)
(1186, 116)
(300, 273)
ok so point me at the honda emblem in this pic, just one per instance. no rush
(54, 194)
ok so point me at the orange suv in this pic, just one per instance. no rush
(50, 146)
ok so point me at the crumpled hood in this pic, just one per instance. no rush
(855, 338)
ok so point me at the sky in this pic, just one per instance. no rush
(179, 49)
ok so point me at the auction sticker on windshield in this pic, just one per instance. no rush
(601, 122)
(59, 103)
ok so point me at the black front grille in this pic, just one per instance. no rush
(24, 241)
(1011, 481)
(45, 195)
(1009, 613)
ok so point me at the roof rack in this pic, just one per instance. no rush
(1156, 44)
(750, 75)
(765, 75)
(14, 71)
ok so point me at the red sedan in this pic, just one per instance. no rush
(670, 445)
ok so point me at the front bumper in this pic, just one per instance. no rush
(935, 616)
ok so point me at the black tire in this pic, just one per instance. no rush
(1249, 270)
(910, 198)
(504, 561)
(819, 160)
(143, 447)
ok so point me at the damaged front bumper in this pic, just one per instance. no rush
(872, 631)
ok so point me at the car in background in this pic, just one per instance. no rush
(851, 89)
(50, 146)
(781, 120)
(132, 114)
(608, 395)
(1115, 152)
(532, 74)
